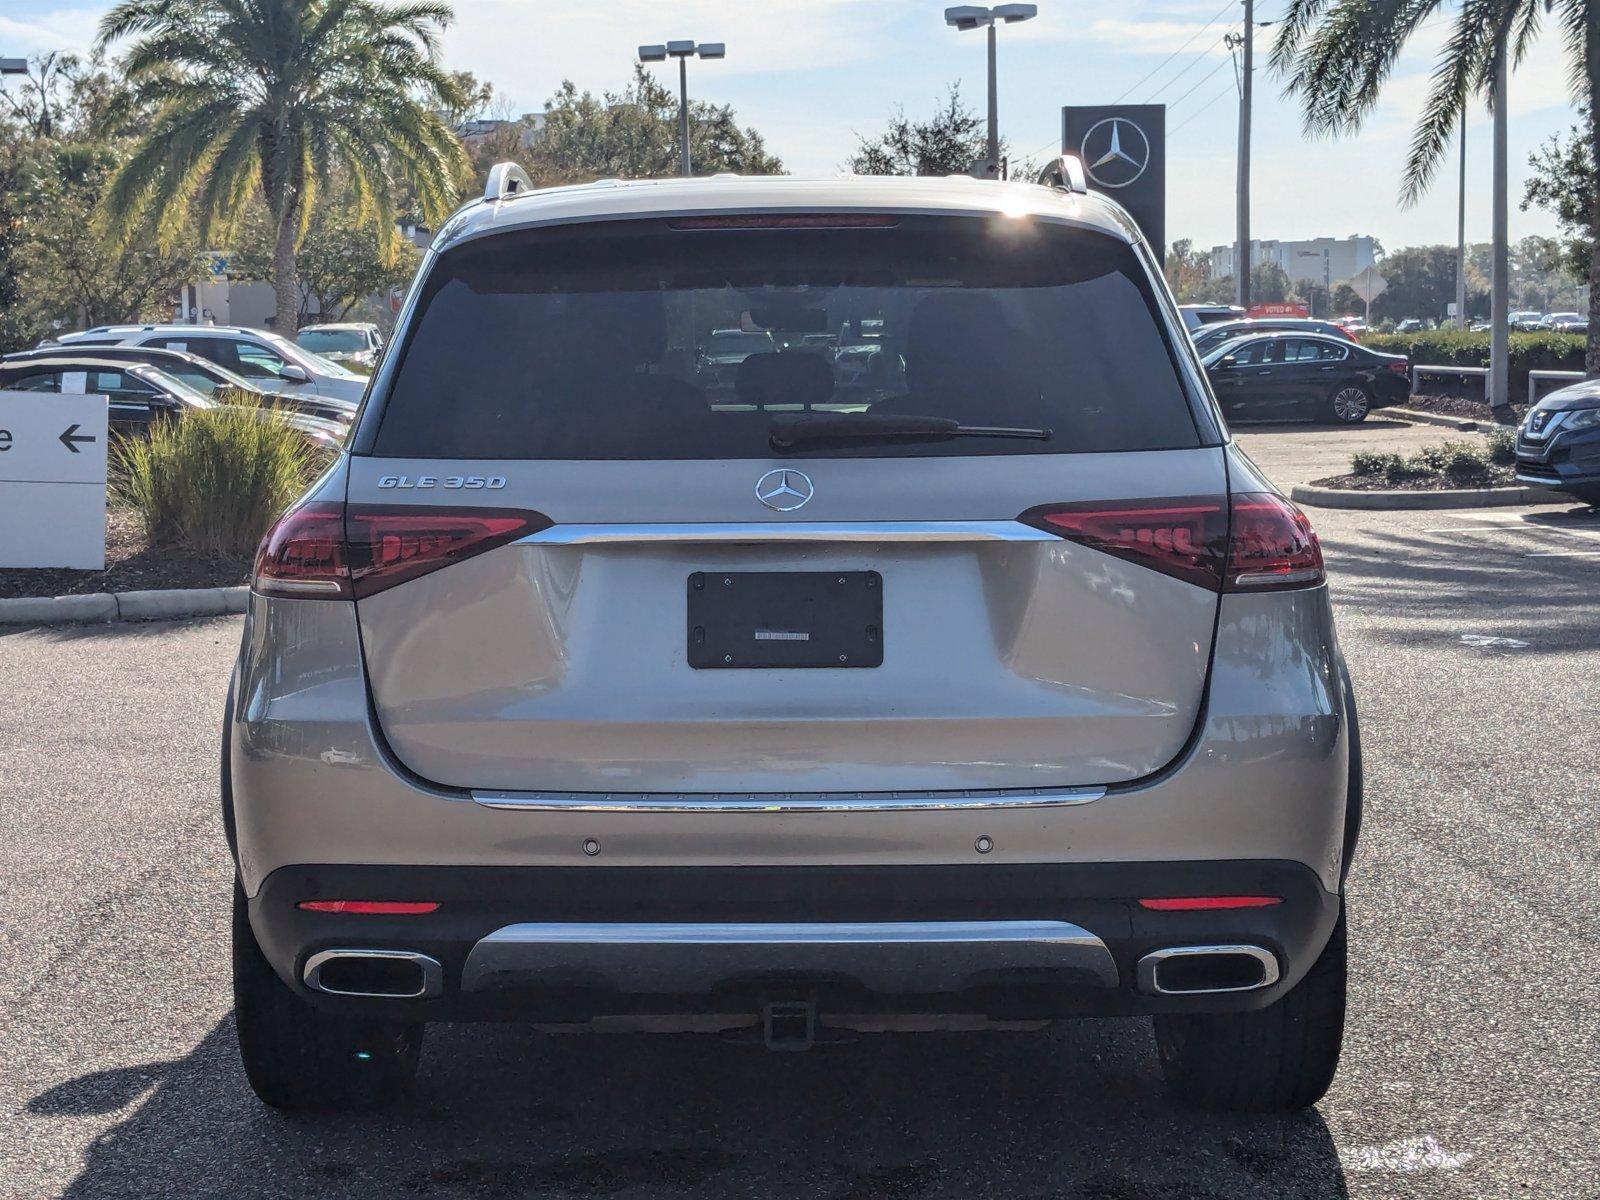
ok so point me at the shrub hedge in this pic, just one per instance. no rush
(1458, 348)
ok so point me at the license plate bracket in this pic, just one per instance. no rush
(764, 619)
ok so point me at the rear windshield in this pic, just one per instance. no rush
(638, 340)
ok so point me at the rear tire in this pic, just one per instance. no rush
(1349, 404)
(1277, 1059)
(1587, 495)
(300, 1058)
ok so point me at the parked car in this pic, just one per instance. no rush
(1570, 324)
(1209, 337)
(1526, 320)
(1554, 321)
(1286, 377)
(1558, 443)
(1196, 315)
(1004, 687)
(1411, 325)
(357, 342)
(1353, 325)
(207, 378)
(139, 395)
(251, 353)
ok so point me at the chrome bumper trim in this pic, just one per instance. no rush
(791, 531)
(884, 956)
(843, 802)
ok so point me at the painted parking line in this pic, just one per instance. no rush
(1406, 1155)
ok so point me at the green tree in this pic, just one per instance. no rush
(947, 143)
(1563, 183)
(1337, 55)
(1422, 282)
(75, 272)
(1269, 283)
(275, 97)
(342, 261)
(633, 134)
(1188, 271)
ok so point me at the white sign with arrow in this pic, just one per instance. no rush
(53, 479)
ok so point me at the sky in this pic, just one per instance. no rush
(813, 75)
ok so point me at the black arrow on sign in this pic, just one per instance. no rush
(70, 437)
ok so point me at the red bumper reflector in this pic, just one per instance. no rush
(1198, 903)
(387, 908)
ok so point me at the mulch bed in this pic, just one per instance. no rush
(1497, 477)
(132, 564)
(1465, 407)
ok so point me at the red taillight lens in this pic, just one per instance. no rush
(391, 545)
(1185, 537)
(304, 555)
(1402, 367)
(330, 551)
(380, 908)
(1271, 546)
(1254, 542)
(1208, 903)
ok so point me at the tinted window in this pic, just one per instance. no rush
(43, 381)
(1250, 354)
(335, 341)
(607, 341)
(1326, 352)
(257, 362)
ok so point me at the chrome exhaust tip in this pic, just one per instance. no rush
(1207, 970)
(374, 974)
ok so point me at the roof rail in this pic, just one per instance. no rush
(506, 179)
(1066, 173)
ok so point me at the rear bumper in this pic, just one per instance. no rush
(1006, 941)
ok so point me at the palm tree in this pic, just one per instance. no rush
(1337, 54)
(276, 98)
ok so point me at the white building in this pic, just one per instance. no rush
(1333, 259)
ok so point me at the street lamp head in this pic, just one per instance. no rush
(968, 16)
(680, 49)
(13, 66)
(1012, 13)
(652, 53)
(713, 50)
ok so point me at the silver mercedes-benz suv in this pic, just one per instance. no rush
(939, 660)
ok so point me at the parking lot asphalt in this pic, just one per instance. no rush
(1472, 1059)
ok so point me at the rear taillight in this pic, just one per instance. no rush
(1271, 546)
(1400, 366)
(332, 551)
(1256, 542)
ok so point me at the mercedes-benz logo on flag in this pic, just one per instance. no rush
(784, 489)
(1115, 152)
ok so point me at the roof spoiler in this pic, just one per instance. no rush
(1065, 174)
(506, 179)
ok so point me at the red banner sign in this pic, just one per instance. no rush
(1278, 310)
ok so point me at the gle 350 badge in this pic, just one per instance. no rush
(464, 482)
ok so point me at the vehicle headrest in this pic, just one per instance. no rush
(794, 377)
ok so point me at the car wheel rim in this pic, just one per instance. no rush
(1349, 404)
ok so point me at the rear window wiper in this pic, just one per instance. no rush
(788, 431)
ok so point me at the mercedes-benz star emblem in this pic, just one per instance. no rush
(784, 489)
(1115, 152)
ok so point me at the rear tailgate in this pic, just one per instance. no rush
(1010, 658)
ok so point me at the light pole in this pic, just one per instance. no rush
(971, 16)
(683, 52)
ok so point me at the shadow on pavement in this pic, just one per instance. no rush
(503, 1111)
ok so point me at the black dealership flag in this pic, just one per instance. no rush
(1124, 152)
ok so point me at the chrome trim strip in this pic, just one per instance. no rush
(886, 956)
(432, 973)
(791, 531)
(865, 802)
(1149, 984)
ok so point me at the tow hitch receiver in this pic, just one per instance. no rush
(789, 1024)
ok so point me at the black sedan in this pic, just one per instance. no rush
(1208, 337)
(1558, 445)
(138, 395)
(1289, 377)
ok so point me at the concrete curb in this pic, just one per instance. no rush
(1461, 424)
(1321, 497)
(162, 605)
